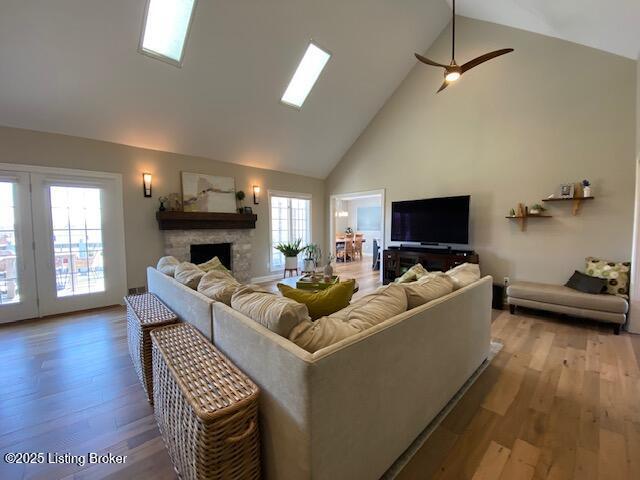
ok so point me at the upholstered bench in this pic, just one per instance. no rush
(565, 300)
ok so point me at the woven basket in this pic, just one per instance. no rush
(207, 410)
(144, 313)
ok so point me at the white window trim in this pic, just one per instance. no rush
(159, 56)
(280, 193)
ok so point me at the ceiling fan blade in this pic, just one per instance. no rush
(443, 86)
(429, 62)
(483, 58)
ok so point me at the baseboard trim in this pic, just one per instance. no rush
(267, 278)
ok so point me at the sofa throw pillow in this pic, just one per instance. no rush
(617, 274)
(218, 286)
(375, 308)
(278, 314)
(324, 302)
(213, 264)
(188, 274)
(586, 283)
(413, 274)
(370, 310)
(427, 288)
(464, 274)
(167, 265)
(312, 336)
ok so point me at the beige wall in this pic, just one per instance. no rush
(143, 239)
(511, 131)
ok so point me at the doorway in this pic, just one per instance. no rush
(61, 241)
(357, 227)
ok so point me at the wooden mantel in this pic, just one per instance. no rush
(204, 220)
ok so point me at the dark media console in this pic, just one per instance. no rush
(397, 260)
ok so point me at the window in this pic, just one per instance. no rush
(76, 218)
(290, 220)
(166, 28)
(306, 75)
(9, 292)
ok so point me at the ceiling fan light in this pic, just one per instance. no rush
(452, 76)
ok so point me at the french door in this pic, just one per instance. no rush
(69, 243)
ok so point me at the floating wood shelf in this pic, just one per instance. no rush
(577, 201)
(522, 219)
(204, 220)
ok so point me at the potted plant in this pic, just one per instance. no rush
(313, 254)
(536, 209)
(240, 197)
(291, 252)
(586, 188)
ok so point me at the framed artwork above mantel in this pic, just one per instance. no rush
(208, 193)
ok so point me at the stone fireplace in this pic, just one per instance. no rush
(193, 245)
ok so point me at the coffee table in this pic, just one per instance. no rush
(292, 281)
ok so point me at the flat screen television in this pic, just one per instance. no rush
(431, 220)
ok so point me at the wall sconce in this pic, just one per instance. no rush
(256, 194)
(146, 184)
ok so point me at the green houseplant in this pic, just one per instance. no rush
(291, 252)
(536, 209)
(312, 257)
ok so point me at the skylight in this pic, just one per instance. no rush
(166, 28)
(306, 75)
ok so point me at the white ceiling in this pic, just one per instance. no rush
(609, 25)
(72, 67)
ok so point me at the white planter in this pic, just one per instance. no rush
(309, 265)
(290, 263)
(586, 191)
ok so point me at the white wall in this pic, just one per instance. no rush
(369, 235)
(511, 131)
(143, 239)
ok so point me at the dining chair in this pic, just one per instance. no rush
(348, 247)
(357, 248)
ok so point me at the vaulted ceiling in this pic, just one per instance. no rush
(72, 67)
(609, 25)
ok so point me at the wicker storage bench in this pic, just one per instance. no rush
(144, 313)
(207, 410)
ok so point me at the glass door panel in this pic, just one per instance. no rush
(80, 263)
(18, 294)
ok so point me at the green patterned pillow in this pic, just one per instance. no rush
(616, 274)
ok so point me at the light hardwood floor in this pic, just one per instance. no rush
(560, 401)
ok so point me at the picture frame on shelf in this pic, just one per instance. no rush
(566, 190)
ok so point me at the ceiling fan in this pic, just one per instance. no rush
(453, 71)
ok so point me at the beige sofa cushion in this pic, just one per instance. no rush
(427, 288)
(218, 286)
(278, 314)
(167, 265)
(213, 264)
(188, 274)
(412, 274)
(464, 274)
(561, 295)
(370, 310)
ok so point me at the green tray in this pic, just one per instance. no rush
(305, 283)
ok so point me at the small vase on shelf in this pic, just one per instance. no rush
(586, 191)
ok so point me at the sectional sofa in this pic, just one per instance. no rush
(351, 409)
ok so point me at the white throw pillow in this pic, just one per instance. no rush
(370, 310)
(375, 308)
(325, 331)
(413, 274)
(167, 265)
(427, 288)
(464, 274)
(278, 314)
(188, 274)
(218, 286)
